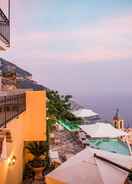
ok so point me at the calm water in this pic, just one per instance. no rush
(106, 106)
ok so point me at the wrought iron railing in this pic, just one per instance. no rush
(4, 28)
(11, 106)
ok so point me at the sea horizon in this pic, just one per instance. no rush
(106, 105)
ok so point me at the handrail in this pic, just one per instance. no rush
(4, 28)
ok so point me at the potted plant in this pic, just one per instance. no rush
(39, 150)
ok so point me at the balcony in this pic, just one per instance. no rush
(4, 31)
(11, 106)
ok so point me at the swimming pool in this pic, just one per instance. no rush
(111, 145)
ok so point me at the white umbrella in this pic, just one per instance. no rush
(85, 168)
(103, 130)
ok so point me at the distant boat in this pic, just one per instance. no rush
(87, 115)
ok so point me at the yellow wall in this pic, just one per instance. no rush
(36, 110)
(29, 126)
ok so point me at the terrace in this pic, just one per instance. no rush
(64, 142)
(106, 137)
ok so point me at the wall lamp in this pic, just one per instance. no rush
(12, 161)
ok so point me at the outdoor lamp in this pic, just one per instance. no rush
(12, 161)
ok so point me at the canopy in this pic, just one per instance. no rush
(84, 113)
(103, 130)
(85, 168)
(69, 125)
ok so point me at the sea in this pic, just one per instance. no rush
(106, 106)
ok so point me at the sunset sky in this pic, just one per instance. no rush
(79, 47)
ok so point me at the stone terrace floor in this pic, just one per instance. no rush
(68, 145)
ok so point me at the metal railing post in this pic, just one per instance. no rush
(5, 111)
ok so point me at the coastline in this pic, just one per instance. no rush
(107, 104)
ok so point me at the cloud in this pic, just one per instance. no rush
(107, 39)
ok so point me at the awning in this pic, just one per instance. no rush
(69, 125)
(102, 130)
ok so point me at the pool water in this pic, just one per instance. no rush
(111, 145)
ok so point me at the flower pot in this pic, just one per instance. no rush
(38, 174)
